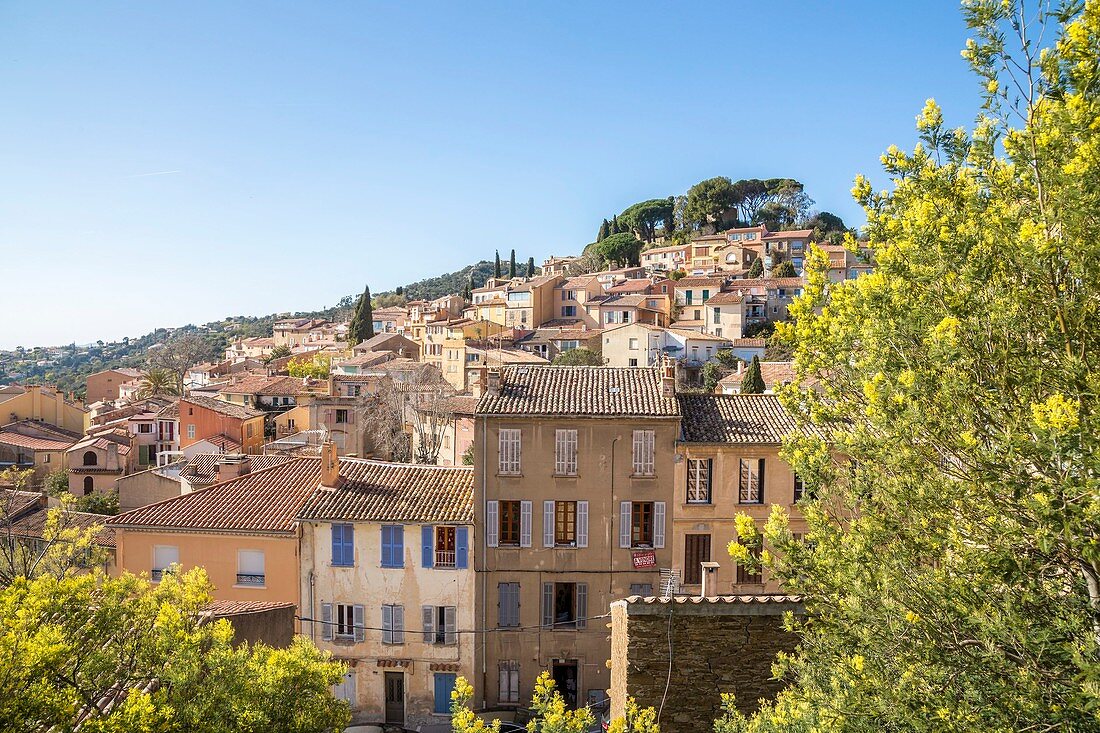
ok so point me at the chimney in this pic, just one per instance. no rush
(668, 377)
(330, 464)
(480, 385)
(232, 465)
(492, 382)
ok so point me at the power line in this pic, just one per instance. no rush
(550, 627)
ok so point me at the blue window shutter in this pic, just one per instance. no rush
(349, 544)
(398, 546)
(387, 547)
(461, 547)
(427, 546)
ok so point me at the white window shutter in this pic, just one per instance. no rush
(525, 524)
(547, 524)
(359, 619)
(659, 524)
(326, 621)
(450, 624)
(429, 624)
(398, 624)
(387, 624)
(636, 452)
(492, 523)
(582, 524)
(582, 605)
(624, 524)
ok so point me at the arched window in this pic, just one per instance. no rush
(90, 458)
(731, 257)
(89, 486)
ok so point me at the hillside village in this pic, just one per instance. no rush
(429, 467)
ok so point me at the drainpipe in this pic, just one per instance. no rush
(611, 526)
(484, 555)
(312, 610)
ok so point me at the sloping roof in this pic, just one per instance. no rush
(381, 339)
(33, 442)
(696, 335)
(261, 501)
(772, 372)
(34, 524)
(255, 384)
(14, 503)
(749, 418)
(744, 343)
(395, 492)
(579, 390)
(203, 468)
(225, 408)
(726, 297)
(223, 443)
(171, 411)
(791, 234)
(768, 282)
(699, 282)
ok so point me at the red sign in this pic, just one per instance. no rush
(644, 560)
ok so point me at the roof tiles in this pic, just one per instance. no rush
(579, 390)
(742, 418)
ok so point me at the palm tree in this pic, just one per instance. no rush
(157, 382)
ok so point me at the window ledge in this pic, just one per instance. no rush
(253, 587)
(564, 475)
(338, 565)
(643, 475)
(509, 475)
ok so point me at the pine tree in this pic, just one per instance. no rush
(605, 230)
(496, 266)
(361, 327)
(512, 265)
(753, 381)
(530, 267)
(756, 269)
(615, 225)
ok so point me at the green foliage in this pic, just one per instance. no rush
(753, 381)
(386, 300)
(636, 720)
(56, 483)
(676, 275)
(605, 231)
(279, 352)
(708, 201)
(551, 715)
(952, 576)
(468, 455)
(530, 267)
(97, 502)
(512, 264)
(497, 272)
(361, 326)
(827, 228)
(785, 269)
(67, 642)
(463, 719)
(623, 249)
(157, 382)
(712, 374)
(756, 269)
(643, 218)
(760, 329)
(578, 357)
(317, 367)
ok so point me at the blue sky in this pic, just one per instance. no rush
(168, 163)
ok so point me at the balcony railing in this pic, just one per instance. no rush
(250, 579)
(444, 558)
(158, 575)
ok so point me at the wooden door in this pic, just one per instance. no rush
(395, 697)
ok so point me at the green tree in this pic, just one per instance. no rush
(157, 382)
(623, 249)
(530, 267)
(676, 275)
(578, 357)
(70, 644)
(827, 227)
(712, 374)
(709, 200)
(756, 269)
(105, 503)
(753, 381)
(316, 367)
(616, 227)
(497, 272)
(56, 483)
(643, 218)
(605, 231)
(279, 352)
(512, 265)
(785, 269)
(361, 326)
(636, 720)
(953, 577)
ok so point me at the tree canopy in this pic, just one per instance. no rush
(578, 357)
(643, 218)
(709, 200)
(951, 572)
(623, 249)
(361, 326)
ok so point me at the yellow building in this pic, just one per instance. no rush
(45, 404)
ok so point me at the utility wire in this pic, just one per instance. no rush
(559, 624)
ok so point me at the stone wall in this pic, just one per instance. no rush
(724, 644)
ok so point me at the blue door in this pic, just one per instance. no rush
(444, 683)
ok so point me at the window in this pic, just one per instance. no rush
(393, 546)
(444, 546)
(343, 545)
(698, 314)
(248, 430)
(706, 295)
(250, 567)
(751, 482)
(508, 523)
(569, 295)
(699, 471)
(90, 458)
(509, 681)
(568, 311)
(565, 452)
(164, 557)
(696, 552)
(341, 417)
(508, 604)
(509, 448)
(641, 589)
(439, 625)
(643, 452)
(190, 431)
(633, 344)
(564, 523)
(632, 362)
(343, 622)
(799, 491)
(354, 390)
(744, 575)
(565, 605)
(687, 297)
(346, 689)
(642, 524)
(717, 314)
(290, 423)
(89, 485)
(393, 624)
(145, 427)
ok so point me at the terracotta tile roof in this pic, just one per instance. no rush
(203, 468)
(690, 324)
(696, 335)
(223, 443)
(726, 298)
(739, 600)
(767, 283)
(221, 609)
(579, 390)
(774, 373)
(629, 301)
(631, 286)
(170, 412)
(750, 418)
(751, 344)
(661, 250)
(792, 234)
(699, 282)
(31, 442)
(372, 491)
(261, 501)
(34, 524)
(576, 282)
(255, 384)
(14, 503)
(381, 339)
(461, 405)
(224, 408)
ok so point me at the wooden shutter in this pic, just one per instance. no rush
(450, 625)
(525, 524)
(582, 524)
(548, 605)
(760, 480)
(492, 523)
(427, 545)
(462, 547)
(326, 621)
(358, 617)
(582, 605)
(658, 524)
(547, 524)
(387, 624)
(428, 613)
(565, 452)
(624, 524)
(398, 624)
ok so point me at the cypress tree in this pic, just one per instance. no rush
(605, 231)
(496, 266)
(615, 225)
(512, 265)
(530, 267)
(361, 327)
(753, 381)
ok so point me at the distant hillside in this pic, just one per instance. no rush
(454, 282)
